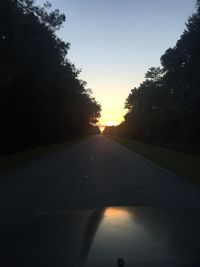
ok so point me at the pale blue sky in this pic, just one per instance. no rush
(114, 42)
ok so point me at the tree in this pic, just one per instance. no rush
(165, 107)
(42, 99)
(154, 75)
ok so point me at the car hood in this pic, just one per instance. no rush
(141, 236)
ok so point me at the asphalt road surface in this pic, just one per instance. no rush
(96, 172)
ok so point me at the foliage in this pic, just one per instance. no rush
(42, 99)
(165, 108)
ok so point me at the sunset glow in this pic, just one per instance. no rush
(109, 123)
(112, 108)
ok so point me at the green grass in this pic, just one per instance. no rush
(14, 160)
(184, 165)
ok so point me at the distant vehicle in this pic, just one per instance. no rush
(112, 236)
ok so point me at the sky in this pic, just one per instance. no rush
(114, 42)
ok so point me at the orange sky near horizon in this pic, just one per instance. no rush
(112, 102)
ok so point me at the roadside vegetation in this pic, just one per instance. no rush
(42, 100)
(184, 165)
(165, 109)
(10, 161)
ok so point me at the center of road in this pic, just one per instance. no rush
(91, 158)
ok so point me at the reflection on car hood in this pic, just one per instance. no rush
(141, 236)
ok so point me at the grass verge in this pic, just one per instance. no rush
(184, 165)
(10, 161)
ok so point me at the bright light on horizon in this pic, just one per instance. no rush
(110, 123)
(112, 109)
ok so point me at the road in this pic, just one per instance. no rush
(94, 173)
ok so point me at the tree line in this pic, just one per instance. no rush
(42, 99)
(165, 108)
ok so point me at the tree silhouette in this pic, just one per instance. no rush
(165, 108)
(42, 99)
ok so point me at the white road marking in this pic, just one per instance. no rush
(91, 158)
